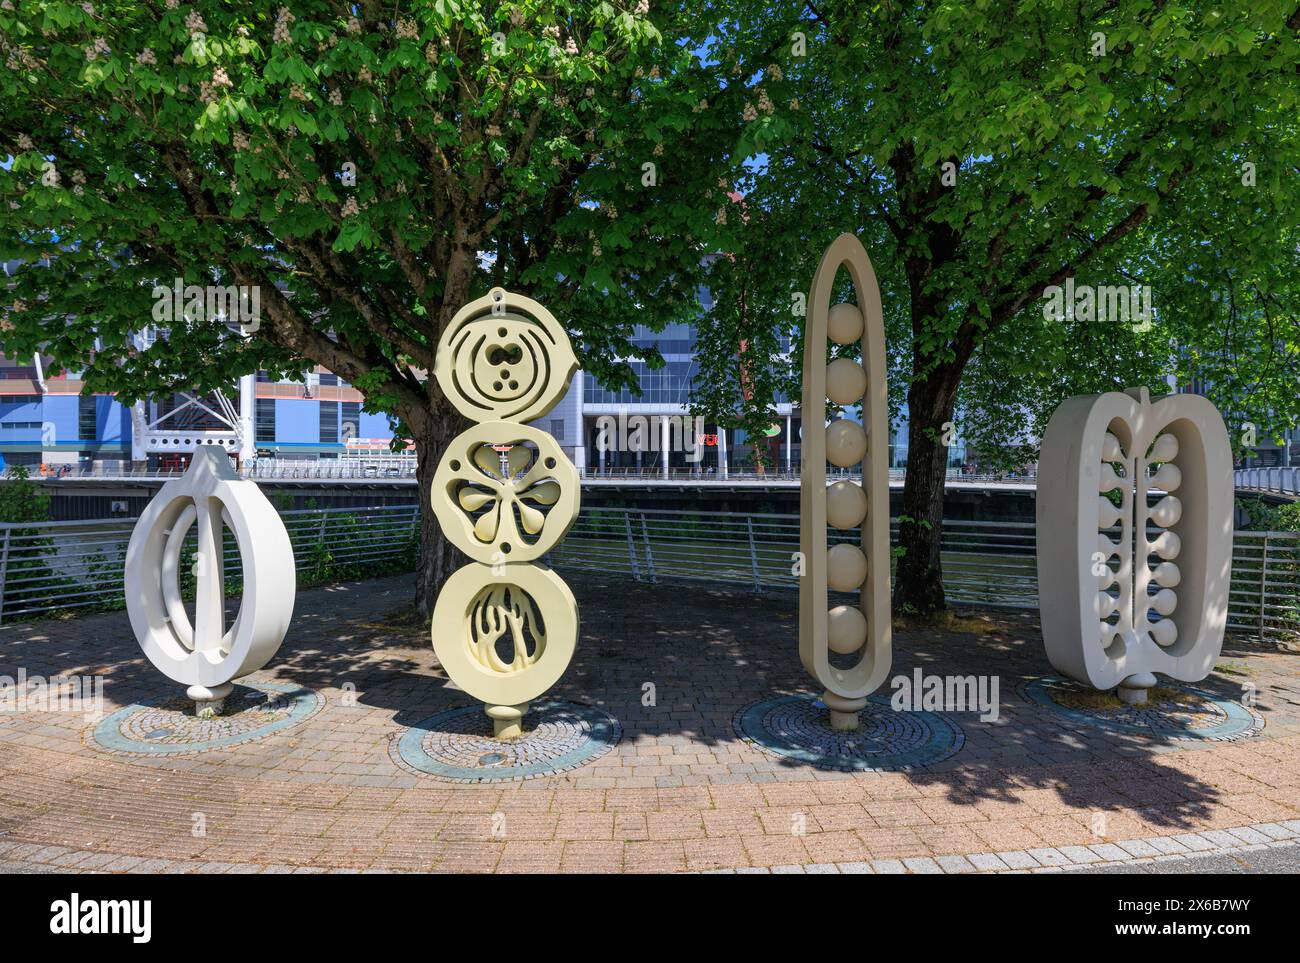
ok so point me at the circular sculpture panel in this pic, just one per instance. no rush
(505, 638)
(503, 482)
(458, 745)
(797, 727)
(254, 710)
(1173, 712)
(504, 357)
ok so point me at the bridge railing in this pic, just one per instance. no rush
(403, 469)
(53, 567)
(1281, 481)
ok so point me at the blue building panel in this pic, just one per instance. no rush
(374, 426)
(112, 422)
(62, 412)
(297, 422)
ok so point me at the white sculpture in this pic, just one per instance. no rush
(207, 656)
(845, 629)
(1115, 612)
(505, 494)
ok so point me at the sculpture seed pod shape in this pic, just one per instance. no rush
(207, 656)
(505, 494)
(857, 636)
(1130, 589)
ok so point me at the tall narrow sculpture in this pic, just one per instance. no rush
(1127, 589)
(205, 655)
(505, 494)
(846, 648)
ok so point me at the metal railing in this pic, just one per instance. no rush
(263, 468)
(1282, 481)
(55, 566)
(403, 470)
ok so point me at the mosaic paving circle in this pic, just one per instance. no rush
(254, 710)
(798, 727)
(1172, 711)
(457, 745)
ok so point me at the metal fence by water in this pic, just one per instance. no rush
(60, 566)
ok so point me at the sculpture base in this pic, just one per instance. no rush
(507, 721)
(1133, 690)
(209, 702)
(843, 712)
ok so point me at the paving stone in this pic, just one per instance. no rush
(1138, 847)
(1079, 854)
(1048, 856)
(1017, 859)
(955, 864)
(857, 868)
(1194, 842)
(923, 865)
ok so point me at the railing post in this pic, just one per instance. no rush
(631, 547)
(649, 552)
(753, 555)
(4, 571)
(1263, 582)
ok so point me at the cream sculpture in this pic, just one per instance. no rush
(1128, 590)
(505, 494)
(858, 635)
(205, 655)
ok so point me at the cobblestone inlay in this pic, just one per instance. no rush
(457, 745)
(254, 710)
(797, 727)
(1175, 712)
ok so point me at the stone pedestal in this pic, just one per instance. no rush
(844, 712)
(209, 702)
(1133, 689)
(507, 721)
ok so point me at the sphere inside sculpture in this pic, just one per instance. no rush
(846, 381)
(844, 323)
(846, 443)
(846, 629)
(846, 567)
(846, 504)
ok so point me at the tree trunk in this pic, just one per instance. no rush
(438, 557)
(918, 580)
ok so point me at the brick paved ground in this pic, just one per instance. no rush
(679, 792)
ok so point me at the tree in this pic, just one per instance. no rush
(990, 151)
(366, 168)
